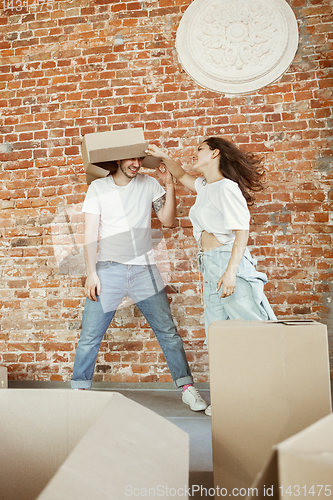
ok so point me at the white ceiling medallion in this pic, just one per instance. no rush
(237, 46)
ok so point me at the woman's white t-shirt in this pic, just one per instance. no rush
(220, 208)
(125, 217)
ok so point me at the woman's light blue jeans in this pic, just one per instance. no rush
(248, 302)
(144, 285)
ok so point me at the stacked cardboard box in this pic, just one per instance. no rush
(269, 381)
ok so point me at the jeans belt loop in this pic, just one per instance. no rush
(200, 256)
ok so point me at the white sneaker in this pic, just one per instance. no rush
(192, 398)
(208, 411)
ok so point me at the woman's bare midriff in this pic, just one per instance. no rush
(209, 241)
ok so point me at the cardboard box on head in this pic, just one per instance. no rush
(101, 150)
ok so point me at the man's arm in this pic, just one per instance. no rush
(92, 285)
(165, 206)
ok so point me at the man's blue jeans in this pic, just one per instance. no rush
(144, 285)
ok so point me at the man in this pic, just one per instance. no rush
(118, 213)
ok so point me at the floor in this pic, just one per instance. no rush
(198, 425)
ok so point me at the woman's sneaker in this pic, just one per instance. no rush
(208, 411)
(192, 398)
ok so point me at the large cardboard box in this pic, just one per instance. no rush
(301, 466)
(100, 150)
(86, 445)
(268, 380)
(3, 377)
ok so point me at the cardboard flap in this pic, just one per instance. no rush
(299, 466)
(129, 451)
(91, 445)
(151, 162)
(295, 322)
(38, 430)
(315, 440)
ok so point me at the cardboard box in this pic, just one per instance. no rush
(86, 445)
(301, 466)
(100, 151)
(3, 378)
(268, 381)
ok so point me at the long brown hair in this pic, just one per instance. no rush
(243, 168)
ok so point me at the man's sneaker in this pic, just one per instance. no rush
(192, 398)
(208, 411)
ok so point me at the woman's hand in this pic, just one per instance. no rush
(163, 172)
(92, 287)
(228, 283)
(155, 151)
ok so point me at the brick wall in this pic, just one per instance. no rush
(83, 66)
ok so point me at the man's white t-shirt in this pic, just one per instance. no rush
(220, 208)
(125, 218)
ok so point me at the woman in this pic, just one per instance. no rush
(233, 288)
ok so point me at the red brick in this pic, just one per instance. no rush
(57, 346)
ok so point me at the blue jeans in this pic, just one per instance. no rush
(248, 302)
(144, 285)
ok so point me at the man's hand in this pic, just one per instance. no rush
(92, 287)
(176, 170)
(164, 175)
(228, 281)
(155, 151)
